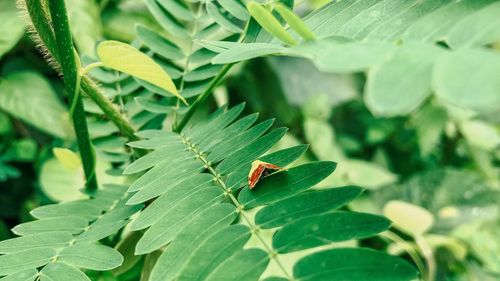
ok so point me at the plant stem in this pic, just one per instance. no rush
(42, 25)
(109, 109)
(409, 249)
(69, 68)
(228, 193)
(428, 254)
(201, 98)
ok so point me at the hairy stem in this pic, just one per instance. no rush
(42, 25)
(109, 109)
(69, 68)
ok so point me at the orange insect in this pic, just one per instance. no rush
(259, 169)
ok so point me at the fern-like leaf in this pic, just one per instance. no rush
(200, 207)
(64, 238)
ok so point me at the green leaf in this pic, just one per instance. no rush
(25, 275)
(235, 8)
(246, 52)
(220, 246)
(70, 224)
(166, 20)
(480, 134)
(61, 272)
(86, 208)
(436, 25)
(40, 240)
(177, 254)
(67, 157)
(295, 22)
(249, 265)
(12, 24)
(86, 27)
(126, 247)
(285, 183)
(412, 219)
(317, 230)
(125, 58)
(353, 264)
(477, 29)
(338, 56)
(24, 260)
(177, 8)
(305, 204)
(221, 19)
(29, 97)
(250, 152)
(172, 223)
(159, 44)
(390, 94)
(454, 82)
(91, 256)
(60, 183)
(270, 23)
(172, 199)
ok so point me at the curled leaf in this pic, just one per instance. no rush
(270, 23)
(295, 22)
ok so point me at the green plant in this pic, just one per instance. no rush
(175, 204)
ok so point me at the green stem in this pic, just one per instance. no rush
(409, 249)
(428, 254)
(201, 98)
(109, 109)
(70, 71)
(42, 25)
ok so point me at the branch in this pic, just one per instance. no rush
(114, 115)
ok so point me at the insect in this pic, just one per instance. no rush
(259, 169)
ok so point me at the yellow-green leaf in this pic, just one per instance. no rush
(412, 219)
(125, 58)
(295, 22)
(270, 23)
(68, 158)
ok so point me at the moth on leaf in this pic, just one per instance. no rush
(259, 169)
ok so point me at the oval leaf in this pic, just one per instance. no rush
(91, 256)
(323, 229)
(412, 219)
(305, 204)
(469, 78)
(125, 58)
(353, 264)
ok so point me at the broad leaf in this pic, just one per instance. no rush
(29, 97)
(12, 24)
(469, 78)
(401, 84)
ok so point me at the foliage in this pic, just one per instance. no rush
(165, 134)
